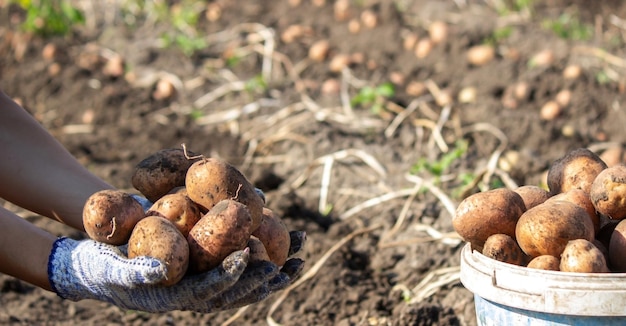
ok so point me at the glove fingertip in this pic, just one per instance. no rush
(236, 262)
(149, 270)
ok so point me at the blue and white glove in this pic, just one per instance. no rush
(88, 269)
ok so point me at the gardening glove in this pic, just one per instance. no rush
(89, 269)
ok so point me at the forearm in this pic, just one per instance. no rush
(24, 249)
(37, 172)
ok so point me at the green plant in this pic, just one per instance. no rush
(256, 84)
(374, 96)
(50, 17)
(438, 168)
(499, 34)
(505, 7)
(183, 17)
(568, 27)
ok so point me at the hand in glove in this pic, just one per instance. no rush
(88, 269)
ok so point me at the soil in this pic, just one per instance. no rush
(333, 167)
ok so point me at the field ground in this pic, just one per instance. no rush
(368, 144)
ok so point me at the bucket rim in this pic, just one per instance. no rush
(586, 294)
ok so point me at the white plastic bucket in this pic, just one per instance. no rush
(507, 294)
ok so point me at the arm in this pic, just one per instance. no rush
(35, 165)
(24, 249)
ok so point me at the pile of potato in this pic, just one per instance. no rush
(204, 209)
(577, 225)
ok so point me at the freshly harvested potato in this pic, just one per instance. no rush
(504, 248)
(274, 235)
(546, 228)
(179, 209)
(109, 216)
(617, 247)
(211, 180)
(605, 233)
(577, 169)
(545, 262)
(162, 171)
(178, 190)
(532, 195)
(485, 213)
(220, 232)
(582, 199)
(608, 192)
(159, 238)
(581, 256)
(257, 250)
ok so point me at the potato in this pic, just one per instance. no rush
(274, 235)
(179, 209)
(157, 237)
(211, 180)
(220, 232)
(577, 169)
(257, 250)
(608, 192)
(545, 262)
(582, 199)
(617, 247)
(109, 216)
(605, 233)
(581, 256)
(546, 228)
(532, 195)
(504, 248)
(485, 213)
(162, 171)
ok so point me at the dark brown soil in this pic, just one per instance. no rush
(258, 101)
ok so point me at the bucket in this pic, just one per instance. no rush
(506, 294)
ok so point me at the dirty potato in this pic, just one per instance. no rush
(577, 169)
(486, 213)
(504, 248)
(157, 237)
(546, 228)
(608, 192)
(581, 256)
(274, 235)
(109, 216)
(532, 195)
(211, 180)
(225, 229)
(545, 262)
(177, 208)
(162, 171)
(582, 199)
(617, 247)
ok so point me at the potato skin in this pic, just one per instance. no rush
(617, 247)
(257, 250)
(162, 171)
(581, 256)
(485, 213)
(545, 262)
(159, 238)
(532, 195)
(211, 180)
(110, 215)
(608, 192)
(274, 235)
(179, 209)
(220, 232)
(504, 248)
(582, 199)
(577, 169)
(545, 229)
